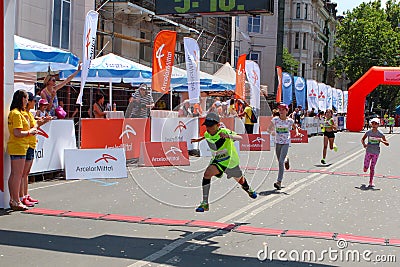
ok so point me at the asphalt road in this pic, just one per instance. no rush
(318, 206)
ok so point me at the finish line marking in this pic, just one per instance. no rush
(227, 227)
(353, 174)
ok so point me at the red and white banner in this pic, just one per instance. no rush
(163, 60)
(95, 163)
(241, 77)
(322, 96)
(52, 138)
(302, 138)
(253, 76)
(89, 43)
(174, 130)
(192, 55)
(312, 95)
(279, 89)
(264, 122)
(228, 123)
(121, 133)
(164, 154)
(255, 142)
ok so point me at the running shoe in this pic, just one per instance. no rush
(335, 148)
(371, 185)
(251, 193)
(203, 207)
(323, 161)
(277, 185)
(287, 165)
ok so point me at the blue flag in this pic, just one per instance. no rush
(287, 92)
(300, 91)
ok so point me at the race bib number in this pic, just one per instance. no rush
(373, 140)
(220, 155)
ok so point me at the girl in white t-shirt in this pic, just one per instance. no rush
(280, 128)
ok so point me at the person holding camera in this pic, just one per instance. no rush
(142, 102)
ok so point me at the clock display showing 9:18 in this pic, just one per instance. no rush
(165, 7)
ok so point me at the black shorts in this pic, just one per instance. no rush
(230, 172)
(30, 154)
(329, 134)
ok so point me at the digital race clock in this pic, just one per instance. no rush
(176, 7)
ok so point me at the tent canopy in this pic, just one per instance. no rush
(30, 56)
(113, 68)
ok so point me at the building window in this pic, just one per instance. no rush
(237, 21)
(297, 40)
(305, 41)
(303, 70)
(255, 56)
(236, 55)
(306, 11)
(297, 10)
(61, 20)
(254, 24)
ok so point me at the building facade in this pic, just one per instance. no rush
(309, 29)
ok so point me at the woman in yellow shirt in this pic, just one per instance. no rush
(26, 199)
(17, 145)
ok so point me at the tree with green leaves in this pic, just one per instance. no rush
(290, 64)
(369, 36)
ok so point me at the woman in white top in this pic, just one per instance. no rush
(280, 128)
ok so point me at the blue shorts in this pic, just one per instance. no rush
(30, 154)
(14, 157)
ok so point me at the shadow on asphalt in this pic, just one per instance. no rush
(138, 248)
(365, 187)
(323, 165)
(272, 192)
(5, 212)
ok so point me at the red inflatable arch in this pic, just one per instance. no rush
(359, 91)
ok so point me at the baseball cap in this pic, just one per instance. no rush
(43, 102)
(377, 120)
(211, 119)
(283, 105)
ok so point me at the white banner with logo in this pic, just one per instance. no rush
(311, 125)
(253, 76)
(322, 96)
(175, 130)
(312, 95)
(192, 55)
(89, 43)
(329, 97)
(339, 94)
(95, 163)
(53, 137)
(345, 100)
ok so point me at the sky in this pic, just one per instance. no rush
(344, 5)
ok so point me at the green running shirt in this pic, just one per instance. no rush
(223, 150)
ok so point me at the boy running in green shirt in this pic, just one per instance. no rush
(225, 158)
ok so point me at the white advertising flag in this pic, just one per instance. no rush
(312, 95)
(192, 55)
(89, 42)
(253, 76)
(322, 95)
(345, 101)
(339, 94)
(329, 97)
